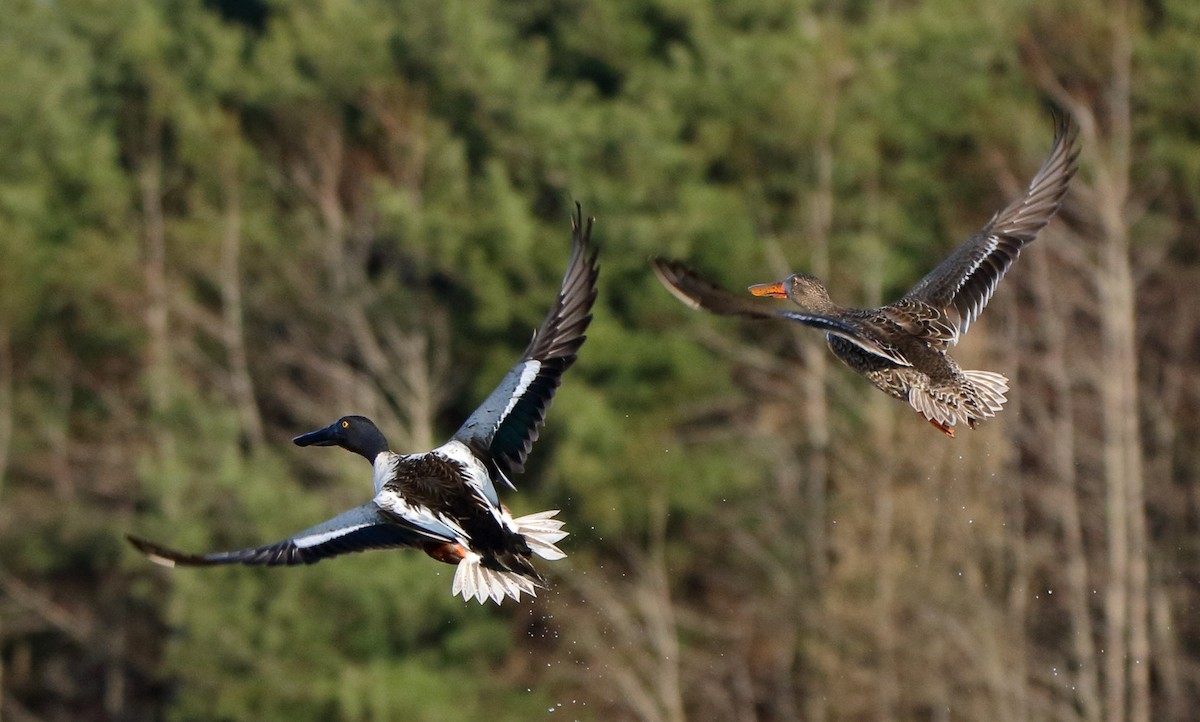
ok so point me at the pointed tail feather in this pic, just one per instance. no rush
(542, 532)
(472, 579)
(991, 388)
(981, 398)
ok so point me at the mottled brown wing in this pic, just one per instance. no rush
(699, 293)
(963, 283)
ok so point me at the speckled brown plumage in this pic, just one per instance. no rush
(902, 348)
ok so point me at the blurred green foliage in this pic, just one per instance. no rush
(399, 176)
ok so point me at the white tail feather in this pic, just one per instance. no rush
(542, 531)
(472, 579)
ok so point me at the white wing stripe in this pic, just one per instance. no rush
(528, 374)
(313, 540)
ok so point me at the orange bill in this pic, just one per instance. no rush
(774, 290)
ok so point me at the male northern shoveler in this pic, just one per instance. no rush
(444, 501)
(902, 347)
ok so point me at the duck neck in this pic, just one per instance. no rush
(815, 298)
(824, 305)
(369, 445)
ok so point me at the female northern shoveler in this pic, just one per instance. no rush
(444, 501)
(902, 347)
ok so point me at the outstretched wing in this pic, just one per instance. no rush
(359, 529)
(697, 292)
(502, 430)
(962, 284)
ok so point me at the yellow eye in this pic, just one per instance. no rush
(345, 424)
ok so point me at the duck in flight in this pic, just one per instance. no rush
(444, 501)
(902, 348)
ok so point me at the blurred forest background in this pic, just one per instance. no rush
(224, 223)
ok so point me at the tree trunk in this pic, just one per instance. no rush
(1123, 454)
(1108, 146)
(154, 258)
(1123, 465)
(660, 613)
(1063, 462)
(233, 334)
(816, 407)
(6, 401)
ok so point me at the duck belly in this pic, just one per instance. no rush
(883, 373)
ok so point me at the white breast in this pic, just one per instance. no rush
(385, 467)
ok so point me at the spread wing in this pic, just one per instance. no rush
(697, 292)
(502, 430)
(360, 529)
(962, 284)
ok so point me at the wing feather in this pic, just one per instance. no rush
(697, 292)
(963, 283)
(362, 528)
(502, 430)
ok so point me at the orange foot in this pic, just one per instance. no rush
(448, 552)
(944, 428)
